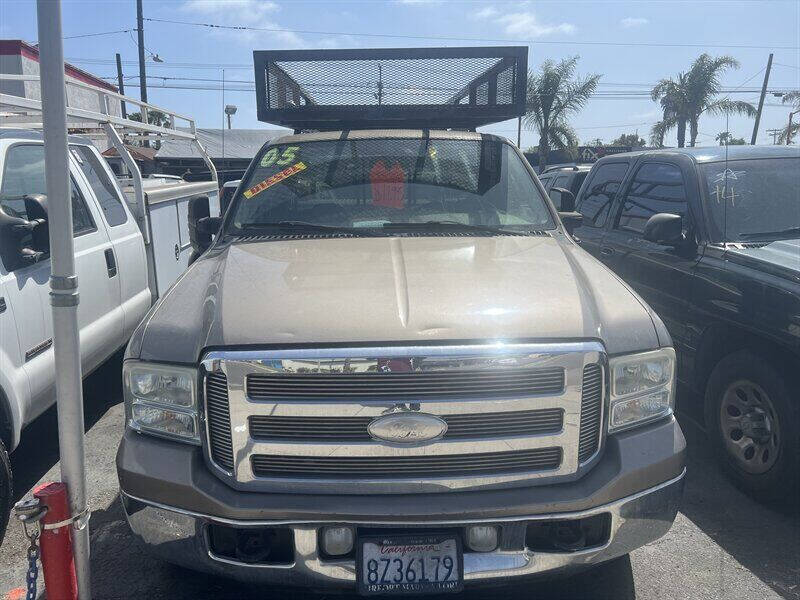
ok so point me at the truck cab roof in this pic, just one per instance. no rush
(16, 133)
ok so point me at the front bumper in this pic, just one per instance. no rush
(170, 499)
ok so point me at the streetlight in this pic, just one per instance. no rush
(230, 109)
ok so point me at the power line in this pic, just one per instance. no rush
(85, 35)
(470, 39)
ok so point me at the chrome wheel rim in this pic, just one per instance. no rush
(749, 426)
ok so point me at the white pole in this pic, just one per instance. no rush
(63, 282)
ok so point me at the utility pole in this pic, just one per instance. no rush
(121, 85)
(140, 32)
(64, 287)
(761, 101)
(774, 133)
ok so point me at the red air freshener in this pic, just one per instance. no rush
(387, 185)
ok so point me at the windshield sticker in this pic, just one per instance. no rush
(274, 156)
(272, 180)
(388, 185)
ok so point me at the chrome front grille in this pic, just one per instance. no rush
(591, 411)
(219, 419)
(296, 420)
(462, 383)
(376, 467)
(354, 429)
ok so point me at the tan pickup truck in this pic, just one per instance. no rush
(394, 371)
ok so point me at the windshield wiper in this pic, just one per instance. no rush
(305, 226)
(788, 233)
(450, 225)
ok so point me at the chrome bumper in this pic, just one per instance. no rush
(180, 536)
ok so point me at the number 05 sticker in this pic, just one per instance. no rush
(274, 156)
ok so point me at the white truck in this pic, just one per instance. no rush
(132, 241)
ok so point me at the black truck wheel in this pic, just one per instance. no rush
(752, 420)
(5, 489)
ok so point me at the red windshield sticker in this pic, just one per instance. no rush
(277, 178)
(388, 185)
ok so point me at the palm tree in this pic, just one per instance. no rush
(672, 96)
(693, 93)
(553, 95)
(793, 127)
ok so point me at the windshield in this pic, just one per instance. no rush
(382, 183)
(752, 200)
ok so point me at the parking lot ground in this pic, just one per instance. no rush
(723, 544)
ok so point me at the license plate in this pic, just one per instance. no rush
(421, 564)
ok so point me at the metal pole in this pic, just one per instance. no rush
(761, 101)
(519, 133)
(140, 32)
(63, 282)
(121, 85)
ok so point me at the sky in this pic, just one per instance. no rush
(632, 44)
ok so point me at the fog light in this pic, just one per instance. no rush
(482, 538)
(337, 541)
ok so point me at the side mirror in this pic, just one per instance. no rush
(571, 220)
(665, 229)
(209, 225)
(36, 207)
(200, 240)
(22, 242)
(563, 199)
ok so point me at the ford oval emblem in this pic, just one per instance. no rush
(407, 428)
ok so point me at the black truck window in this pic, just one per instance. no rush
(603, 186)
(656, 188)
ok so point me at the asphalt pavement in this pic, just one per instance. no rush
(723, 544)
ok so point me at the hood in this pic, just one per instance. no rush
(781, 257)
(392, 289)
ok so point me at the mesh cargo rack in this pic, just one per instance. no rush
(437, 88)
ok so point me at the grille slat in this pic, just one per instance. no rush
(219, 420)
(347, 429)
(591, 411)
(370, 467)
(459, 383)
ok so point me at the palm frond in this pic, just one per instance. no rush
(726, 106)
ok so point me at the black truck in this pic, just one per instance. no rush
(710, 238)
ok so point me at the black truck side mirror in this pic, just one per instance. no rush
(36, 207)
(199, 237)
(571, 220)
(665, 229)
(563, 199)
(24, 242)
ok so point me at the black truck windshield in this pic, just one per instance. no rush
(753, 200)
(379, 185)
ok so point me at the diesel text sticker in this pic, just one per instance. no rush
(277, 178)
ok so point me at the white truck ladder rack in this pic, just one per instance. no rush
(18, 111)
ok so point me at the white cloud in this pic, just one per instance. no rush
(487, 12)
(527, 26)
(252, 13)
(630, 22)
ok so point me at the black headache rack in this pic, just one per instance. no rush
(418, 88)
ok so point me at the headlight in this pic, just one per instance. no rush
(161, 399)
(642, 388)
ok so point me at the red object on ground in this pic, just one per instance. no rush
(56, 544)
(388, 185)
